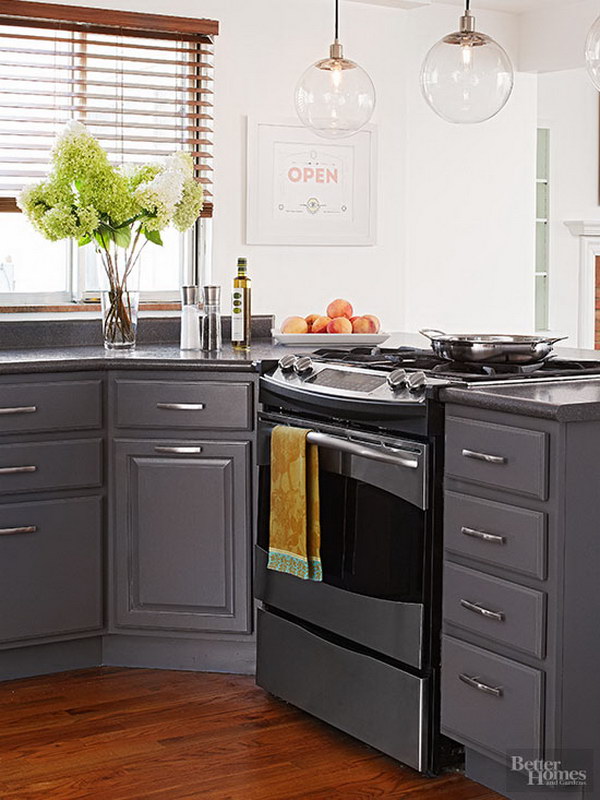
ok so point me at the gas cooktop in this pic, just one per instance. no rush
(413, 359)
(406, 376)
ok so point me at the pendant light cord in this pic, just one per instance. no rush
(468, 5)
(337, 19)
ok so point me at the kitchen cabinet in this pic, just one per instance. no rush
(182, 511)
(52, 449)
(522, 558)
(126, 511)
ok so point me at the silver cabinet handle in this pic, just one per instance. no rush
(475, 683)
(484, 457)
(23, 529)
(182, 451)
(484, 612)
(181, 406)
(492, 538)
(19, 410)
(15, 470)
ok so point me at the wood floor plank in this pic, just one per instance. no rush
(121, 734)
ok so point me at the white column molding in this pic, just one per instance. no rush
(588, 232)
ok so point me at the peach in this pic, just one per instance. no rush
(340, 325)
(363, 325)
(375, 321)
(339, 308)
(294, 325)
(320, 325)
(353, 319)
(310, 320)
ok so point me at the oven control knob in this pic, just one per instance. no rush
(303, 365)
(397, 379)
(286, 362)
(415, 381)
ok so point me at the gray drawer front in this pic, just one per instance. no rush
(523, 610)
(379, 704)
(518, 458)
(51, 577)
(495, 533)
(196, 405)
(495, 725)
(38, 466)
(61, 406)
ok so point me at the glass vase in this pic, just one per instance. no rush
(118, 273)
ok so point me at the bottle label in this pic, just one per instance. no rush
(237, 314)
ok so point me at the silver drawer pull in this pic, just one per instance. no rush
(181, 406)
(182, 451)
(475, 683)
(484, 612)
(18, 410)
(492, 538)
(15, 470)
(484, 457)
(24, 529)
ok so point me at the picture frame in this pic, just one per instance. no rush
(303, 189)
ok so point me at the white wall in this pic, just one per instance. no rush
(263, 48)
(568, 106)
(471, 199)
(553, 39)
(455, 204)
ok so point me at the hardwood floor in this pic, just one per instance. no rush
(122, 734)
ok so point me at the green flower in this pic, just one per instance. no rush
(85, 194)
(189, 208)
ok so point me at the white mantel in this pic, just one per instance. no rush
(588, 232)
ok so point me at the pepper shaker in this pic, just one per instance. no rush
(211, 319)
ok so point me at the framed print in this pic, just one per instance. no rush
(306, 190)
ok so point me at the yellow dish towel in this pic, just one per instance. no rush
(295, 526)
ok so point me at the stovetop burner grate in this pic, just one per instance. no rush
(412, 358)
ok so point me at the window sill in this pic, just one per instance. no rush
(81, 308)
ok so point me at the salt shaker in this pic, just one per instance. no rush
(211, 319)
(190, 318)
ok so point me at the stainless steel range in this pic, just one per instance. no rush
(361, 650)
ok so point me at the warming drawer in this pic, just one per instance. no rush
(378, 703)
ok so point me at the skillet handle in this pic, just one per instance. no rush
(558, 339)
(431, 333)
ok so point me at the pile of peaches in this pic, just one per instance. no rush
(339, 318)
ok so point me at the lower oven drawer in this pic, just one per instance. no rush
(379, 704)
(386, 626)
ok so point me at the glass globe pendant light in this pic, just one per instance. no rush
(467, 77)
(592, 53)
(335, 97)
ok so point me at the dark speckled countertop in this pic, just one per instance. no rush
(151, 356)
(565, 401)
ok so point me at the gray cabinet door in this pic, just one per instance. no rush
(51, 555)
(182, 535)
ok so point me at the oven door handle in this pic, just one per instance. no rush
(408, 460)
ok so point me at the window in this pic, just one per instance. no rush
(142, 84)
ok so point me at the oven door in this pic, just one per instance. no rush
(374, 496)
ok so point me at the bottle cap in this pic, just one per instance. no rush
(242, 264)
(212, 295)
(190, 295)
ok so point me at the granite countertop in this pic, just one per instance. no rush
(150, 356)
(565, 401)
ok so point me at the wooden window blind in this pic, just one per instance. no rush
(141, 83)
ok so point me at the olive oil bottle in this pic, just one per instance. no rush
(241, 313)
